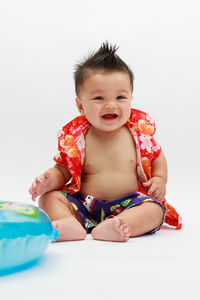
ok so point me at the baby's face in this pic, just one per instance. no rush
(105, 99)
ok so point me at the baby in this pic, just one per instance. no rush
(110, 174)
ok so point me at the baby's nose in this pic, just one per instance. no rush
(109, 105)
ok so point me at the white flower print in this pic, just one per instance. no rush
(60, 132)
(146, 142)
(150, 119)
(156, 148)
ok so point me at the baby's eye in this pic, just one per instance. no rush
(98, 98)
(121, 97)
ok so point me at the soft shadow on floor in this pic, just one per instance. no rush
(9, 271)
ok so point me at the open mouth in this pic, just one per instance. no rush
(110, 116)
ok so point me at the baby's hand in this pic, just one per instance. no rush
(156, 188)
(41, 185)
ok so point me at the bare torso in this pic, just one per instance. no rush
(109, 169)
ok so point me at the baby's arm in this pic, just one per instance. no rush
(156, 186)
(50, 180)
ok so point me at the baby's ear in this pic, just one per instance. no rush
(80, 106)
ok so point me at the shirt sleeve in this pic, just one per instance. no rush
(147, 128)
(67, 148)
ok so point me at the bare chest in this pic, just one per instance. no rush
(110, 154)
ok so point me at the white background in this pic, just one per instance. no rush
(42, 40)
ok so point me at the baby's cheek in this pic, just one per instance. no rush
(126, 112)
(92, 112)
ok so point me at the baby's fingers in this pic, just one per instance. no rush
(38, 179)
(161, 196)
(33, 188)
(32, 191)
(156, 194)
(152, 189)
(147, 183)
(34, 195)
(35, 185)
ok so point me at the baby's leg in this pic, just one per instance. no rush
(132, 222)
(63, 216)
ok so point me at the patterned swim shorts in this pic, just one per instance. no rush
(93, 211)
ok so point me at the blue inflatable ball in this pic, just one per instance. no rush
(25, 232)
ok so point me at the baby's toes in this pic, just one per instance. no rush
(122, 227)
(126, 230)
(117, 222)
(127, 233)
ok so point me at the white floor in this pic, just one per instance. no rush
(165, 265)
(40, 46)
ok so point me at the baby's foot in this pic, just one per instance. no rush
(41, 185)
(113, 230)
(69, 229)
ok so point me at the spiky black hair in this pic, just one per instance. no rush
(103, 59)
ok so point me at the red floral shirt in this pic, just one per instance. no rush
(71, 146)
